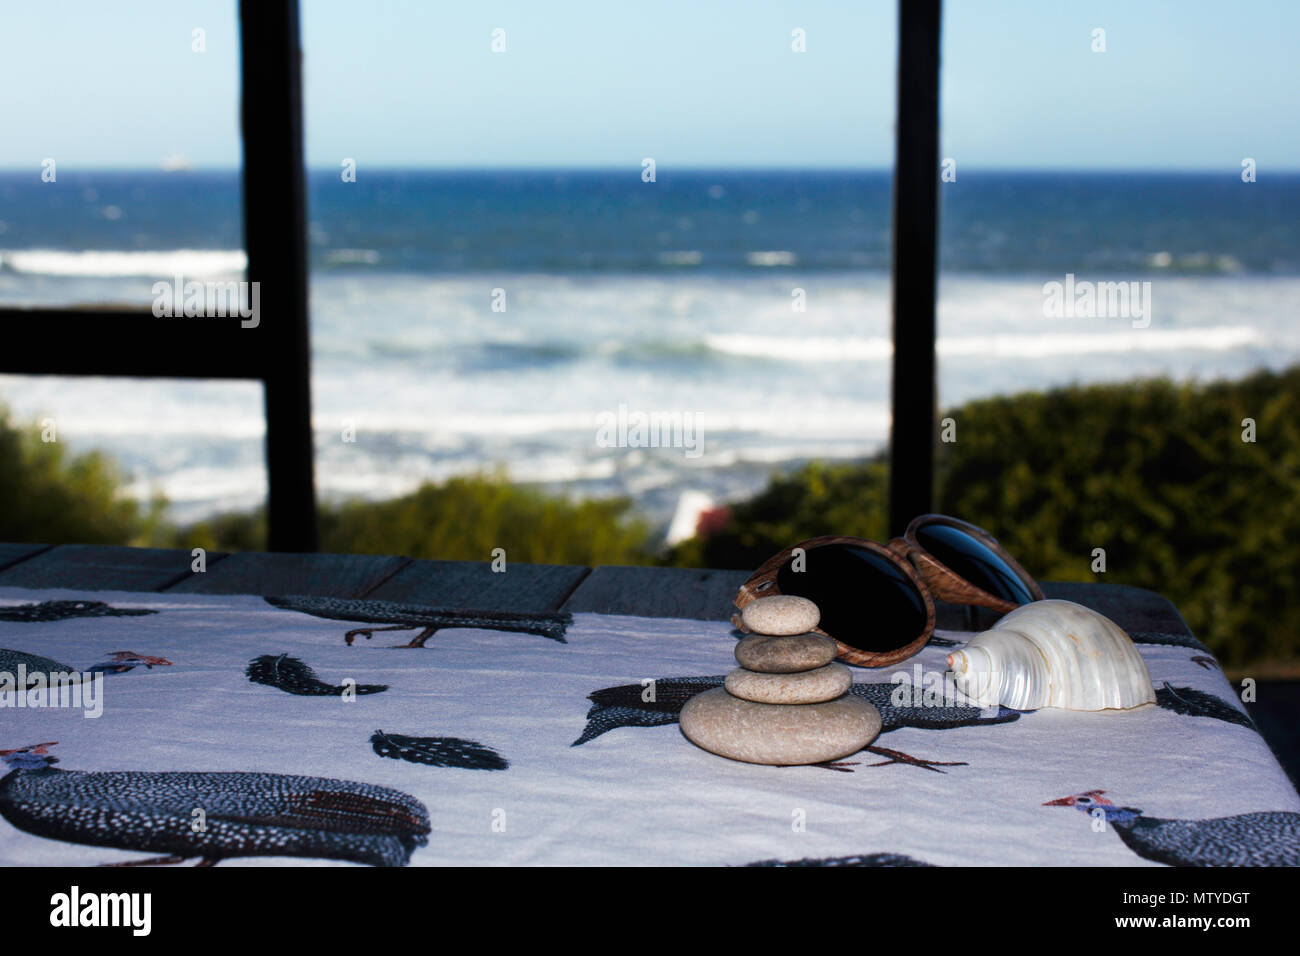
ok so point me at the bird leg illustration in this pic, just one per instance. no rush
(417, 641)
(897, 756)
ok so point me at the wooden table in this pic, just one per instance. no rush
(642, 591)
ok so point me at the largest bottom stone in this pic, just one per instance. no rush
(781, 734)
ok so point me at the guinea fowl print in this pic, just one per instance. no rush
(118, 662)
(624, 706)
(1267, 838)
(244, 814)
(63, 610)
(869, 859)
(383, 616)
(1198, 703)
(438, 751)
(292, 676)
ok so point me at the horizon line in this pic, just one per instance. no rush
(633, 169)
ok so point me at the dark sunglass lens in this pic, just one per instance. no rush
(973, 560)
(865, 600)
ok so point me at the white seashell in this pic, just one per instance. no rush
(1053, 654)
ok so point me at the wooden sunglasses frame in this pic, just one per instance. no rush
(931, 577)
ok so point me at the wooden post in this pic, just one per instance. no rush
(916, 223)
(275, 235)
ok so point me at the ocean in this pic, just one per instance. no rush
(677, 297)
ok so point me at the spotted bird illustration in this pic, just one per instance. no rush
(385, 616)
(294, 676)
(438, 751)
(625, 706)
(1198, 703)
(244, 814)
(1268, 838)
(869, 859)
(63, 610)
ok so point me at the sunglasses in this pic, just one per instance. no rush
(877, 601)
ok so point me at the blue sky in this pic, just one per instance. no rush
(1186, 85)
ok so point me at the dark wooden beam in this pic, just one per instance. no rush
(275, 234)
(916, 223)
(128, 343)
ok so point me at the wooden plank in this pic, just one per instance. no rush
(275, 234)
(316, 575)
(706, 595)
(1133, 609)
(84, 567)
(916, 223)
(473, 584)
(11, 554)
(659, 592)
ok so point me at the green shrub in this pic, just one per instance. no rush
(52, 497)
(231, 531)
(464, 519)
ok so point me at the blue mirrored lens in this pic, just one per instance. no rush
(973, 560)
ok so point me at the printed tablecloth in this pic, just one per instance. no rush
(553, 739)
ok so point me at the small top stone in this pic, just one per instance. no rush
(785, 655)
(781, 615)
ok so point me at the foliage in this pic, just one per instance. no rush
(52, 497)
(464, 519)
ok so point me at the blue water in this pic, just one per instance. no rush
(668, 296)
(590, 222)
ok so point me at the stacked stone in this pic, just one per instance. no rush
(788, 702)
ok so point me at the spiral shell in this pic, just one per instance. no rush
(1053, 654)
